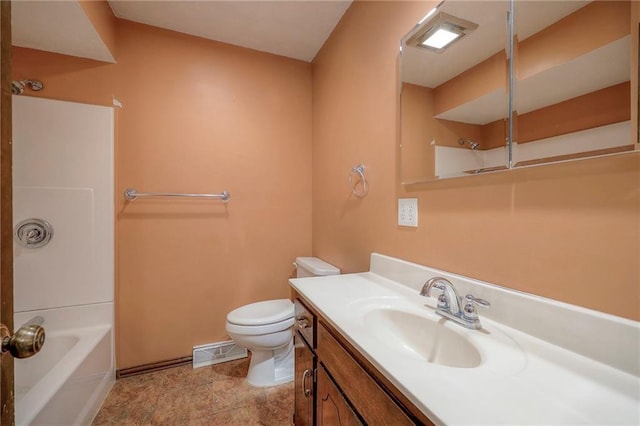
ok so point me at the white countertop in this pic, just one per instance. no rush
(521, 379)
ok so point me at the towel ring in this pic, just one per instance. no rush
(359, 172)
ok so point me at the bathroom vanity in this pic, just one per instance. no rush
(348, 389)
(371, 350)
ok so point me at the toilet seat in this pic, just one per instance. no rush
(256, 330)
(270, 316)
(262, 313)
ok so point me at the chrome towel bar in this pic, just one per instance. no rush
(131, 194)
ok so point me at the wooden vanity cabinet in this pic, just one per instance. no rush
(369, 399)
(305, 364)
(332, 408)
(345, 388)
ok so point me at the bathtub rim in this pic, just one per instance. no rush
(32, 403)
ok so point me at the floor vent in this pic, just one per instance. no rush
(215, 353)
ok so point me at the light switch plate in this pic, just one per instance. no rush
(408, 212)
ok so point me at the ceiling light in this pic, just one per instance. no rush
(440, 38)
(441, 32)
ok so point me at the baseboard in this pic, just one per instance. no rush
(154, 366)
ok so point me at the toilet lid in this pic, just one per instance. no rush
(261, 313)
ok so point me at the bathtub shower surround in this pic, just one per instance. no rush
(63, 175)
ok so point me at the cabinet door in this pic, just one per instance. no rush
(369, 400)
(332, 408)
(304, 365)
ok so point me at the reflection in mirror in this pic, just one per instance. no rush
(572, 96)
(454, 107)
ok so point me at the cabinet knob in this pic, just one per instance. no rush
(302, 323)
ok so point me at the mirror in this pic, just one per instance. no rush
(571, 87)
(454, 103)
(572, 91)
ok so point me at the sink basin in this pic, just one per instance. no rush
(427, 337)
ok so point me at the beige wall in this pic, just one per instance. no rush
(204, 116)
(568, 231)
(417, 153)
(197, 116)
(598, 108)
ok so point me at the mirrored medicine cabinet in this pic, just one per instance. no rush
(522, 83)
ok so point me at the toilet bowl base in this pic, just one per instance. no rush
(271, 368)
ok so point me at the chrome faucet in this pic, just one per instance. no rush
(449, 303)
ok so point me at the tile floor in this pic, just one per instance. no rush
(214, 395)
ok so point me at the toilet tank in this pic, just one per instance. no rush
(314, 267)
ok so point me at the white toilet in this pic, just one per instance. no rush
(266, 329)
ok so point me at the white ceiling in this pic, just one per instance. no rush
(295, 29)
(56, 26)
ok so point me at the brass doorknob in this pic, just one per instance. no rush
(25, 342)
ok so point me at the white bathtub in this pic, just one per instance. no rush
(66, 382)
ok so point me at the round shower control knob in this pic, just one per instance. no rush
(33, 233)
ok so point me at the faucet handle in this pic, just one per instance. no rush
(443, 302)
(470, 298)
(469, 311)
